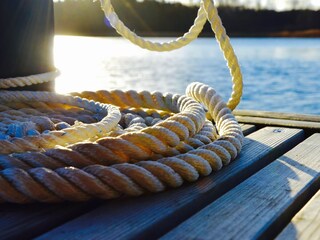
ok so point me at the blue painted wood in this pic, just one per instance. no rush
(261, 206)
(149, 217)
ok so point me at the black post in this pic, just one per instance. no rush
(26, 39)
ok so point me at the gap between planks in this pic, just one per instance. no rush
(261, 206)
(153, 215)
(248, 129)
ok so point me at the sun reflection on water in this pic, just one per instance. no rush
(95, 63)
(84, 63)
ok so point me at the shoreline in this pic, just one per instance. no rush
(309, 33)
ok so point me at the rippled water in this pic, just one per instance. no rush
(279, 74)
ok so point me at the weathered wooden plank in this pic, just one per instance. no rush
(151, 216)
(263, 204)
(306, 224)
(28, 221)
(278, 115)
(248, 128)
(315, 126)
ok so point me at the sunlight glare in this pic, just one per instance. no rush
(78, 61)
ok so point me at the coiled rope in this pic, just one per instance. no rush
(62, 137)
(115, 166)
(161, 140)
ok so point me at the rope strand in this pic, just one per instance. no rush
(180, 42)
(28, 80)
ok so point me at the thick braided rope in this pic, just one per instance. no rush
(151, 140)
(28, 80)
(207, 8)
(75, 133)
(124, 31)
(182, 147)
(56, 115)
(29, 184)
(66, 156)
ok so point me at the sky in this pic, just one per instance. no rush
(279, 5)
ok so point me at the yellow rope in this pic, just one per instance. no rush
(207, 10)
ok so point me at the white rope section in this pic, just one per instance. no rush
(28, 80)
(124, 31)
(78, 132)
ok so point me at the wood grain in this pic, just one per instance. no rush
(28, 221)
(151, 216)
(263, 204)
(306, 224)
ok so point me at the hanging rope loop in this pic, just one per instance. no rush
(207, 11)
(180, 42)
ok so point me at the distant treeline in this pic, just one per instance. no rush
(150, 17)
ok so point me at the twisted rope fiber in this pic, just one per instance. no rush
(28, 80)
(171, 132)
(74, 184)
(207, 10)
(21, 115)
(56, 113)
(228, 53)
(180, 42)
(63, 137)
(62, 157)
(175, 129)
(182, 147)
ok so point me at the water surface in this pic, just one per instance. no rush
(279, 74)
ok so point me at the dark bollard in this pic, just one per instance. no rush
(26, 40)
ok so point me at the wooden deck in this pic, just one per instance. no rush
(270, 191)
